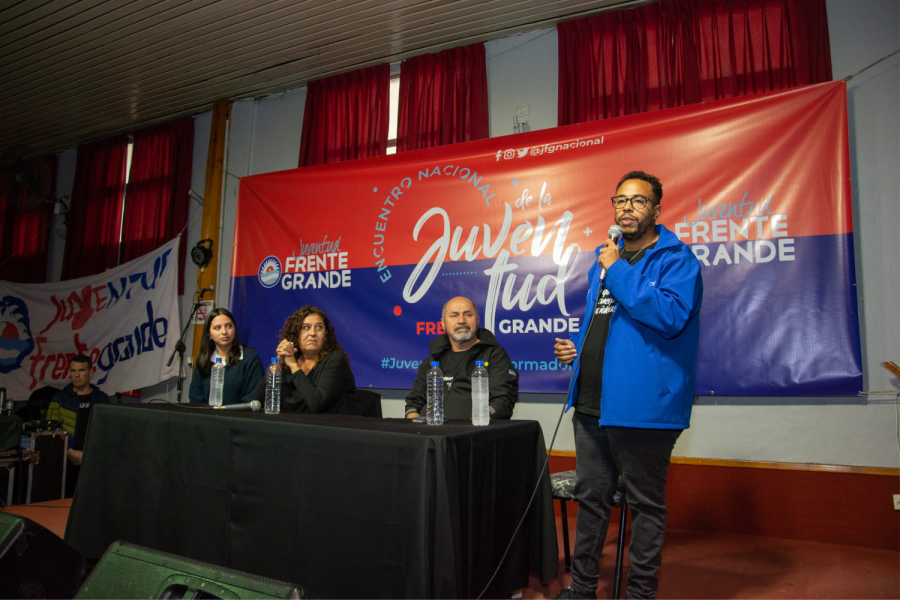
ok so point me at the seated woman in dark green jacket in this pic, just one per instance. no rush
(243, 369)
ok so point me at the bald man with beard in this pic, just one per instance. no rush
(456, 351)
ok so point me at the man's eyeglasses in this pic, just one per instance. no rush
(638, 202)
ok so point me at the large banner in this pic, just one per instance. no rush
(125, 319)
(757, 186)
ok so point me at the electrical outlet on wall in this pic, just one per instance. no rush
(896, 501)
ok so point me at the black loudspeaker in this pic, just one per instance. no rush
(46, 467)
(129, 571)
(36, 563)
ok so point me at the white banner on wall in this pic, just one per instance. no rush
(126, 319)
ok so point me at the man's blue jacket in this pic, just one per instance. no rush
(649, 363)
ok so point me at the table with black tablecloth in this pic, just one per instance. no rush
(345, 506)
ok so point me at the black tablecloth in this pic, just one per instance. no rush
(345, 506)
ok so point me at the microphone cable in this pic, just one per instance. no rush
(543, 468)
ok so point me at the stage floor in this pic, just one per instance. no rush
(51, 514)
(696, 565)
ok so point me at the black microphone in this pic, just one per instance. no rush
(210, 288)
(614, 233)
(252, 406)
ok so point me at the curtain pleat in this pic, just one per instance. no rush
(25, 235)
(443, 99)
(678, 52)
(346, 117)
(95, 215)
(157, 199)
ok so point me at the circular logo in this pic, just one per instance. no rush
(32, 589)
(16, 342)
(269, 272)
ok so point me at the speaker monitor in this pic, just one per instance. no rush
(35, 562)
(47, 475)
(130, 571)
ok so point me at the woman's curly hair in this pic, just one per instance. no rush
(291, 331)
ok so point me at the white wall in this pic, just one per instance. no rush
(874, 116)
(522, 71)
(278, 125)
(65, 180)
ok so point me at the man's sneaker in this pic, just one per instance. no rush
(570, 593)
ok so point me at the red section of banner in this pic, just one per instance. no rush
(758, 158)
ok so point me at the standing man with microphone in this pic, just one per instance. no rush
(633, 382)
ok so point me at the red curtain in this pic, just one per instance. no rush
(443, 99)
(157, 199)
(677, 52)
(25, 236)
(95, 214)
(346, 116)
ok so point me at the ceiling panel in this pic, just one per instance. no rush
(78, 70)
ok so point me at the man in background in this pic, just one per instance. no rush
(72, 407)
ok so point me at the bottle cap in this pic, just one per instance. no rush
(218, 360)
(479, 363)
(435, 363)
(274, 359)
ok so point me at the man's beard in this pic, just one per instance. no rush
(642, 228)
(462, 335)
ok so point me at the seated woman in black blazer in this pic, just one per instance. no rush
(316, 375)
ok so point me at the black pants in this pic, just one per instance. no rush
(642, 457)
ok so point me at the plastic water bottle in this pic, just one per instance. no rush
(434, 414)
(273, 388)
(216, 383)
(6, 404)
(481, 412)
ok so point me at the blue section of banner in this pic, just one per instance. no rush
(794, 348)
(385, 336)
(803, 336)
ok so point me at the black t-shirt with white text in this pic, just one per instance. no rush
(451, 364)
(85, 407)
(590, 375)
